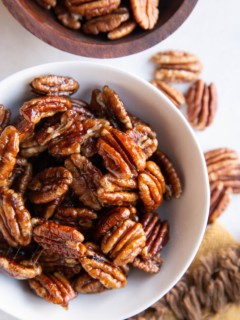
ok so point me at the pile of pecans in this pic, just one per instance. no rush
(113, 18)
(80, 184)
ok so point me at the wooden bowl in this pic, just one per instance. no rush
(43, 24)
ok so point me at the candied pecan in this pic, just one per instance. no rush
(121, 155)
(54, 288)
(201, 104)
(86, 284)
(124, 242)
(39, 108)
(20, 270)
(31, 148)
(176, 66)
(15, 223)
(152, 186)
(9, 147)
(173, 182)
(47, 4)
(68, 19)
(99, 267)
(5, 117)
(24, 127)
(152, 265)
(81, 108)
(49, 184)
(157, 234)
(47, 210)
(90, 9)
(64, 240)
(219, 200)
(145, 138)
(54, 85)
(86, 180)
(123, 30)
(21, 176)
(173, 94)
(145, 12)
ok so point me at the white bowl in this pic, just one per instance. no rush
(187, 216)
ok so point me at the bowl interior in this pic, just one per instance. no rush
(44, 25)
(187, 216)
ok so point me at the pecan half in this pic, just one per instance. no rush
(202, 104)
(152, 265)
(81, 108)
(173, 182)
(15, 223)
(124, 242)
(47, 210)
(49, 184)
(54, 288)
(173, 94)
(145, 12)
(31, 148)
(47, 4)
(176, 66)
(99, 267)
(86, 284)
(68, 19)
(64, 240)
(9, 147)
(21, 176)
(38, 108)
(5, 117)
(86, 180)
(24, 127)
(122, 31)
(20, 270)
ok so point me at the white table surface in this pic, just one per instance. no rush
(212, 32)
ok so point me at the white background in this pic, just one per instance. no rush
(212, 32)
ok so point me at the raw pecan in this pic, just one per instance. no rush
(152, 265)
(157, 234)
(54, 85)
(64, 240)
(86, 284)
(68, 19)
(219, 200)
(5, 117)
(86, 180)
(202, 104)
(47, 4)
(54, 288)
(90, 9)
(49, 184)
(99, 267)
(173, 94)
(38, 108)
(123, 30)
(145, 12)
(145, 138)
(121, 155)
(15, 223)
(152, 186)
(21, 176)
(20, 270)
(9, 147)
(176, 66)
(173, 182)
(124, 242)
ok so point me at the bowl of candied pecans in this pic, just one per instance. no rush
(102, 187)
(101, 28)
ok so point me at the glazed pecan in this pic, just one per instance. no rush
(90, 9)
(24, 127)
(152, 186)
(81, 108)
(54, 85)
(86, 180)
(68, 19)
(9, 147)
(173, 94)
(54, 288)
(123, 30)
(47, 210)
(202, 104)
(31, 148)
(5, 117)
(145, 12)
(100, 268)
(49, 184)
(64, 240)
(38, 108)
(121, 155)
(145, 138)
(176, 66)
(173, 182)
(219, 200)
(47, 4)
(86, 284)
(20, 270)
(152, 265)
(15, 223)
(157, 234)
(124, 242)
